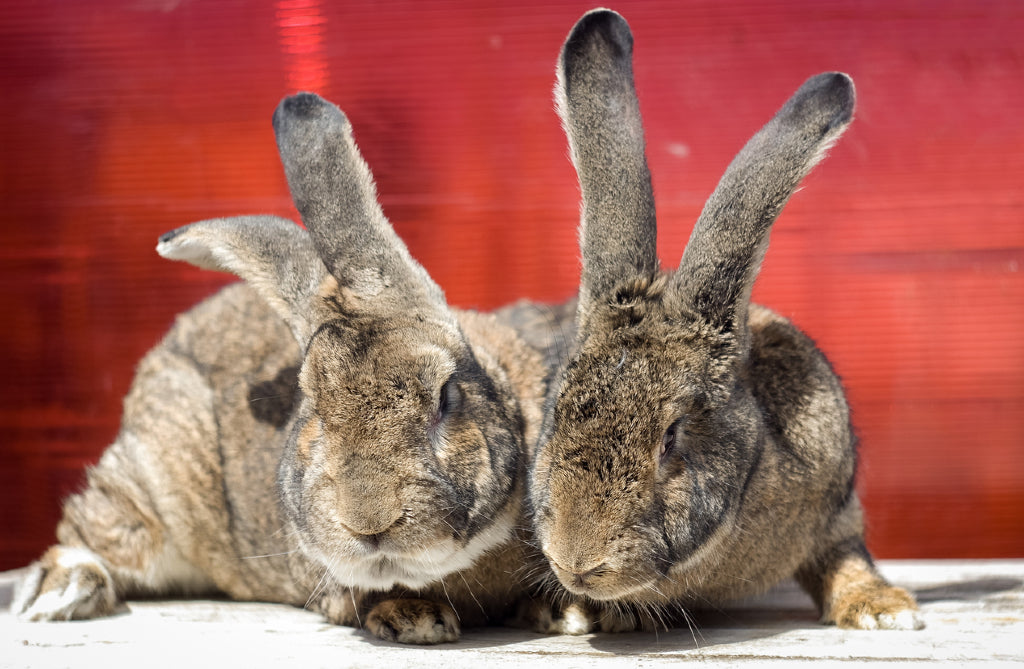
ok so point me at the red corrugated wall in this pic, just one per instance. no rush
(903, 256)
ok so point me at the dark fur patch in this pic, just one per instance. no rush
(274, 401)
(634, 300)
(360, 336)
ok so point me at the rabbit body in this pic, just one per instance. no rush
(328, 434)
(706, 440)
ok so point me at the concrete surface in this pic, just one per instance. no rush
(974, 611)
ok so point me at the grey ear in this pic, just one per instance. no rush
(334, 192)
(730, 238)
(274, 255)
(599, 109)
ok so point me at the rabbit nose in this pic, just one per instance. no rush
(584, 579)
(579, 576)
(368, 528)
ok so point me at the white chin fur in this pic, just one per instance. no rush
(382, 572)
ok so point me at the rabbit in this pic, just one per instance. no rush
(327, 434)
(705, 439)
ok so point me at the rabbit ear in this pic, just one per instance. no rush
(274, 255)
(730, 238)
(599, 109)
(334, 192)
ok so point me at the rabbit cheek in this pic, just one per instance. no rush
(686, 524)
(291, 473)
(498, 474)
(478, 457)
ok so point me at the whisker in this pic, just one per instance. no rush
(317, 589)
(267, 397)
(355, 607)
(471, 594)
(444, 589)
(691, 623)
(268, 555)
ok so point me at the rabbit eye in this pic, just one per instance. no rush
(669, 440)
(449, 401)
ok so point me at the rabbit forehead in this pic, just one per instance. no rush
(659, 367)
(386, 347)
(619, 395)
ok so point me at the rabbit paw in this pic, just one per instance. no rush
(547, 618)
(413, 621)
(579, 618)
(65, 584)
(618, 620)
(877, 606)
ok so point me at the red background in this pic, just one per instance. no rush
(902, 256)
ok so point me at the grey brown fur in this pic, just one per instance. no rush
(328, 434)
(705, 440)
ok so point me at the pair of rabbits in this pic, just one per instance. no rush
(331, 434)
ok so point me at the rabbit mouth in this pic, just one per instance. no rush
(604, 582)
(382, 571)
(383, 567)
(386, 572)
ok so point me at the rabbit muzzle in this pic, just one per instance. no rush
(603, 560)
(408, 553)
(606, 580)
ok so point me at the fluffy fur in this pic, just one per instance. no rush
(328, 434)
(705, 441)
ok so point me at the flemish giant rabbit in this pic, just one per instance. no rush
(327, 434)
(705, 440)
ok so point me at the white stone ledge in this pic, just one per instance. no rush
(974, 611)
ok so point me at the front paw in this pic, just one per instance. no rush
(545, 617)
(876, 606)
(578, 617)
(65, 584)
(413, 621)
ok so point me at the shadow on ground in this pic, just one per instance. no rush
(783, 611)
(963, 591)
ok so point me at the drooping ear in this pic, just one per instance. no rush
(274, 255)
(599, 109)
(334, 192)
(730, 238)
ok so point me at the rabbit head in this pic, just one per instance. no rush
(656, 429)
(403, 457)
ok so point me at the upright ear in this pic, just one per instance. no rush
(730, 238)
(274, 255)
(334, 192)
(598, 105)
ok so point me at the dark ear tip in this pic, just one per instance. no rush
(837, 89)
(603, 22)
(171, 234)
(305, 107)
(601, 18)
(827, 99)
(838, 84)
(302, 104)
